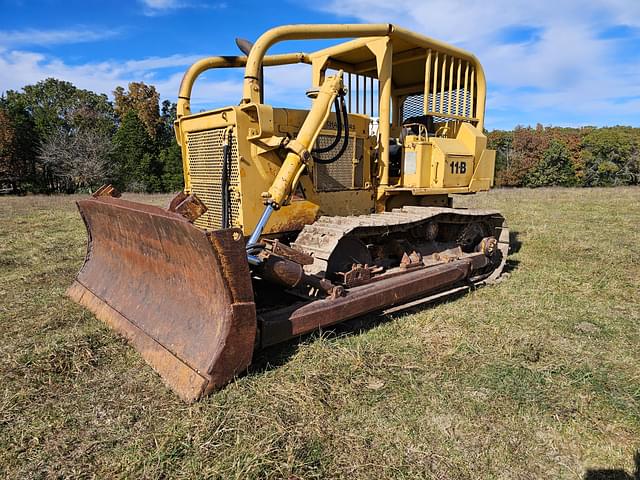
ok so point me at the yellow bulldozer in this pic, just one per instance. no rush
(292, 220)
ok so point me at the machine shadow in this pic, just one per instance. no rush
(275, 356)
(514, 242)
(615, 473)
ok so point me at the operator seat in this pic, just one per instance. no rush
(426, 120)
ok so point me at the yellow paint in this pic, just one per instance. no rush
(269, 141)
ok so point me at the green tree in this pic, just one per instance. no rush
(611, 156)
(502, 142)
(170, 156)
(135, 156)
(9, 174)
(171, 161)
(54, 104)
(168, 115)
(555, 169)
(46, 109)
(19, 144)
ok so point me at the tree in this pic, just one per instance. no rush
(135, 158)
(143, 100)
(19, 144)
(502, 142)
(43, 110)
(527, 149)
(170, 156)
(168, 115)
(611, 156)
(77, 159)
(555, 169)
(8, 170)
(171, 161)
(54, 103)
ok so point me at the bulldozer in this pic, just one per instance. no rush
(292, 220)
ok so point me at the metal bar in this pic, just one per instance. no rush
(293, 321)
(435, 82)
(458, 106)
(357, 93)
(480, 95)
(364, 94)
(427, 82)
(251, 87)
(444, 73)
(384, 111)
(264, 218)
(209, 63)
(396, 108)
(349, 93)
(280, 189)
(450, 102)
(465, 97)
(371, 96)
(471, 93)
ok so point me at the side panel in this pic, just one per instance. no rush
(326, 189)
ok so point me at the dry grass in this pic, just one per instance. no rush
(536, 377)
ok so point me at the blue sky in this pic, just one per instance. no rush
(561, 62)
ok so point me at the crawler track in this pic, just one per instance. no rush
(408, 224)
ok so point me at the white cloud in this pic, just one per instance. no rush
(285, 85)
(19, 68)
(162, 4)
(13, 38)
(158, 7)
(568, 72)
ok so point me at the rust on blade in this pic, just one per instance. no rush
(279, 325)
(189, 206)
(181, 296)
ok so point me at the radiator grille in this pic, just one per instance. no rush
(338, 175)
(204, 150)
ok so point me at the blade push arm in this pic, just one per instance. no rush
(298, 149)
(297, 156)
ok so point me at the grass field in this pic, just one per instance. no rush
(535, 377)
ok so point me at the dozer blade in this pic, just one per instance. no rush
(181, 296)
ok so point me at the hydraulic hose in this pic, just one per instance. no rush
(338, 136)
(224, 184)
(345, 143)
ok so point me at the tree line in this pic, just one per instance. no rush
(57, 138)
(550, 156)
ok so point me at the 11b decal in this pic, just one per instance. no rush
(458, 167)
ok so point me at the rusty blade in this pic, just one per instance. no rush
(181, 296)
(280, 325)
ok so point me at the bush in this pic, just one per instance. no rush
(555, 169)
(588, 156)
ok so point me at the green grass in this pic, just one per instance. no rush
(535, 377)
